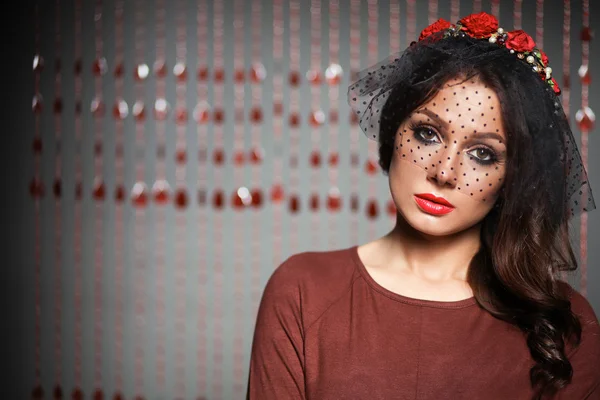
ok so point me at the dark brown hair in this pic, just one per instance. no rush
(525, 238)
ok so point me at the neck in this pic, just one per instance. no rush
(435, 258)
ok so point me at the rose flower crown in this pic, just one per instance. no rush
(485, 26)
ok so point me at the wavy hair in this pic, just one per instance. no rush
(525, 237)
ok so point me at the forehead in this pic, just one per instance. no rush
(467, 106)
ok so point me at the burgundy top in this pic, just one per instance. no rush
(326, 330)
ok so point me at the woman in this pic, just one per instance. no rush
(462, 299)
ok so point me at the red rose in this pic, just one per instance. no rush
(519, 41)
(555, 87)
(480, 25)
(544, 58)
(437, 26)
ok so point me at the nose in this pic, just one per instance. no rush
(443, 170)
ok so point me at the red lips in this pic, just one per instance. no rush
(435, 199)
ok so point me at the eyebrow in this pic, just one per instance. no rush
(444, 124)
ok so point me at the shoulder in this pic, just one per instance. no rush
(582, 308)
(311, 280)
(314, 268)
(585, 357)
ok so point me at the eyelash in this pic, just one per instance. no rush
(416, 127)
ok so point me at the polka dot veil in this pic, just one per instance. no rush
(441, 137)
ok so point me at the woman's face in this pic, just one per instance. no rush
(452, 147)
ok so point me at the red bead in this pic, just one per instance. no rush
(354, 119)
(120, 193)
(100, 66)
(203, 73)
(258, 73)
(277, 193)
(334, 201)
(37, 393)
(256, 115)
(218, 156)
(372, 209)
(160, 68)
(37, 104)
(294, 120)
(78, 107)
(98, 395)
(38, 63)
(180, 71)
(313, 76)
(180, 156)
(58, 392)
(98, 148)
(97, 107)
(181, 116)
(161, 192)
(181, 198)
(333, 74)
(119, 70)
(218, 199)
(354, 203)
(120, 109)
(37, 145)
(294, 204)
(256, 155)
(161, 109)
(139, 111)
(586, 34)
(58, 106)
(139, 195)
(239, 76)
(141, 72)
(294, 78)
(257, 198)
(391, 208)
(118, 396)
(241, 198)
(585, 119)
(36, 188)
(317, 118)
(201, 113)
(218, 116)
(99, 191)
(371, 167)
(239, 158)
(57, 187)
(219, 75)
(77, 394)
(314, 202)
(315, 159)
(584, 74)
(334, 159)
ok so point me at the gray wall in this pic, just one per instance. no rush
(238, 248)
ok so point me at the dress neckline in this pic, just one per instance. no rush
(404, 299)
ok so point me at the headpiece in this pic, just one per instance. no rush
(426, 61)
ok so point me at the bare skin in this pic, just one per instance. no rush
(427, 256)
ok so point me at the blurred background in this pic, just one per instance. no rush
(169, 155)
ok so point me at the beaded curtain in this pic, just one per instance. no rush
(176, 152)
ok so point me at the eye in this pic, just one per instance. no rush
(425, 134)
(483, 155)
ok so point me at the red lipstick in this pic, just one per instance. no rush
(432, 204)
